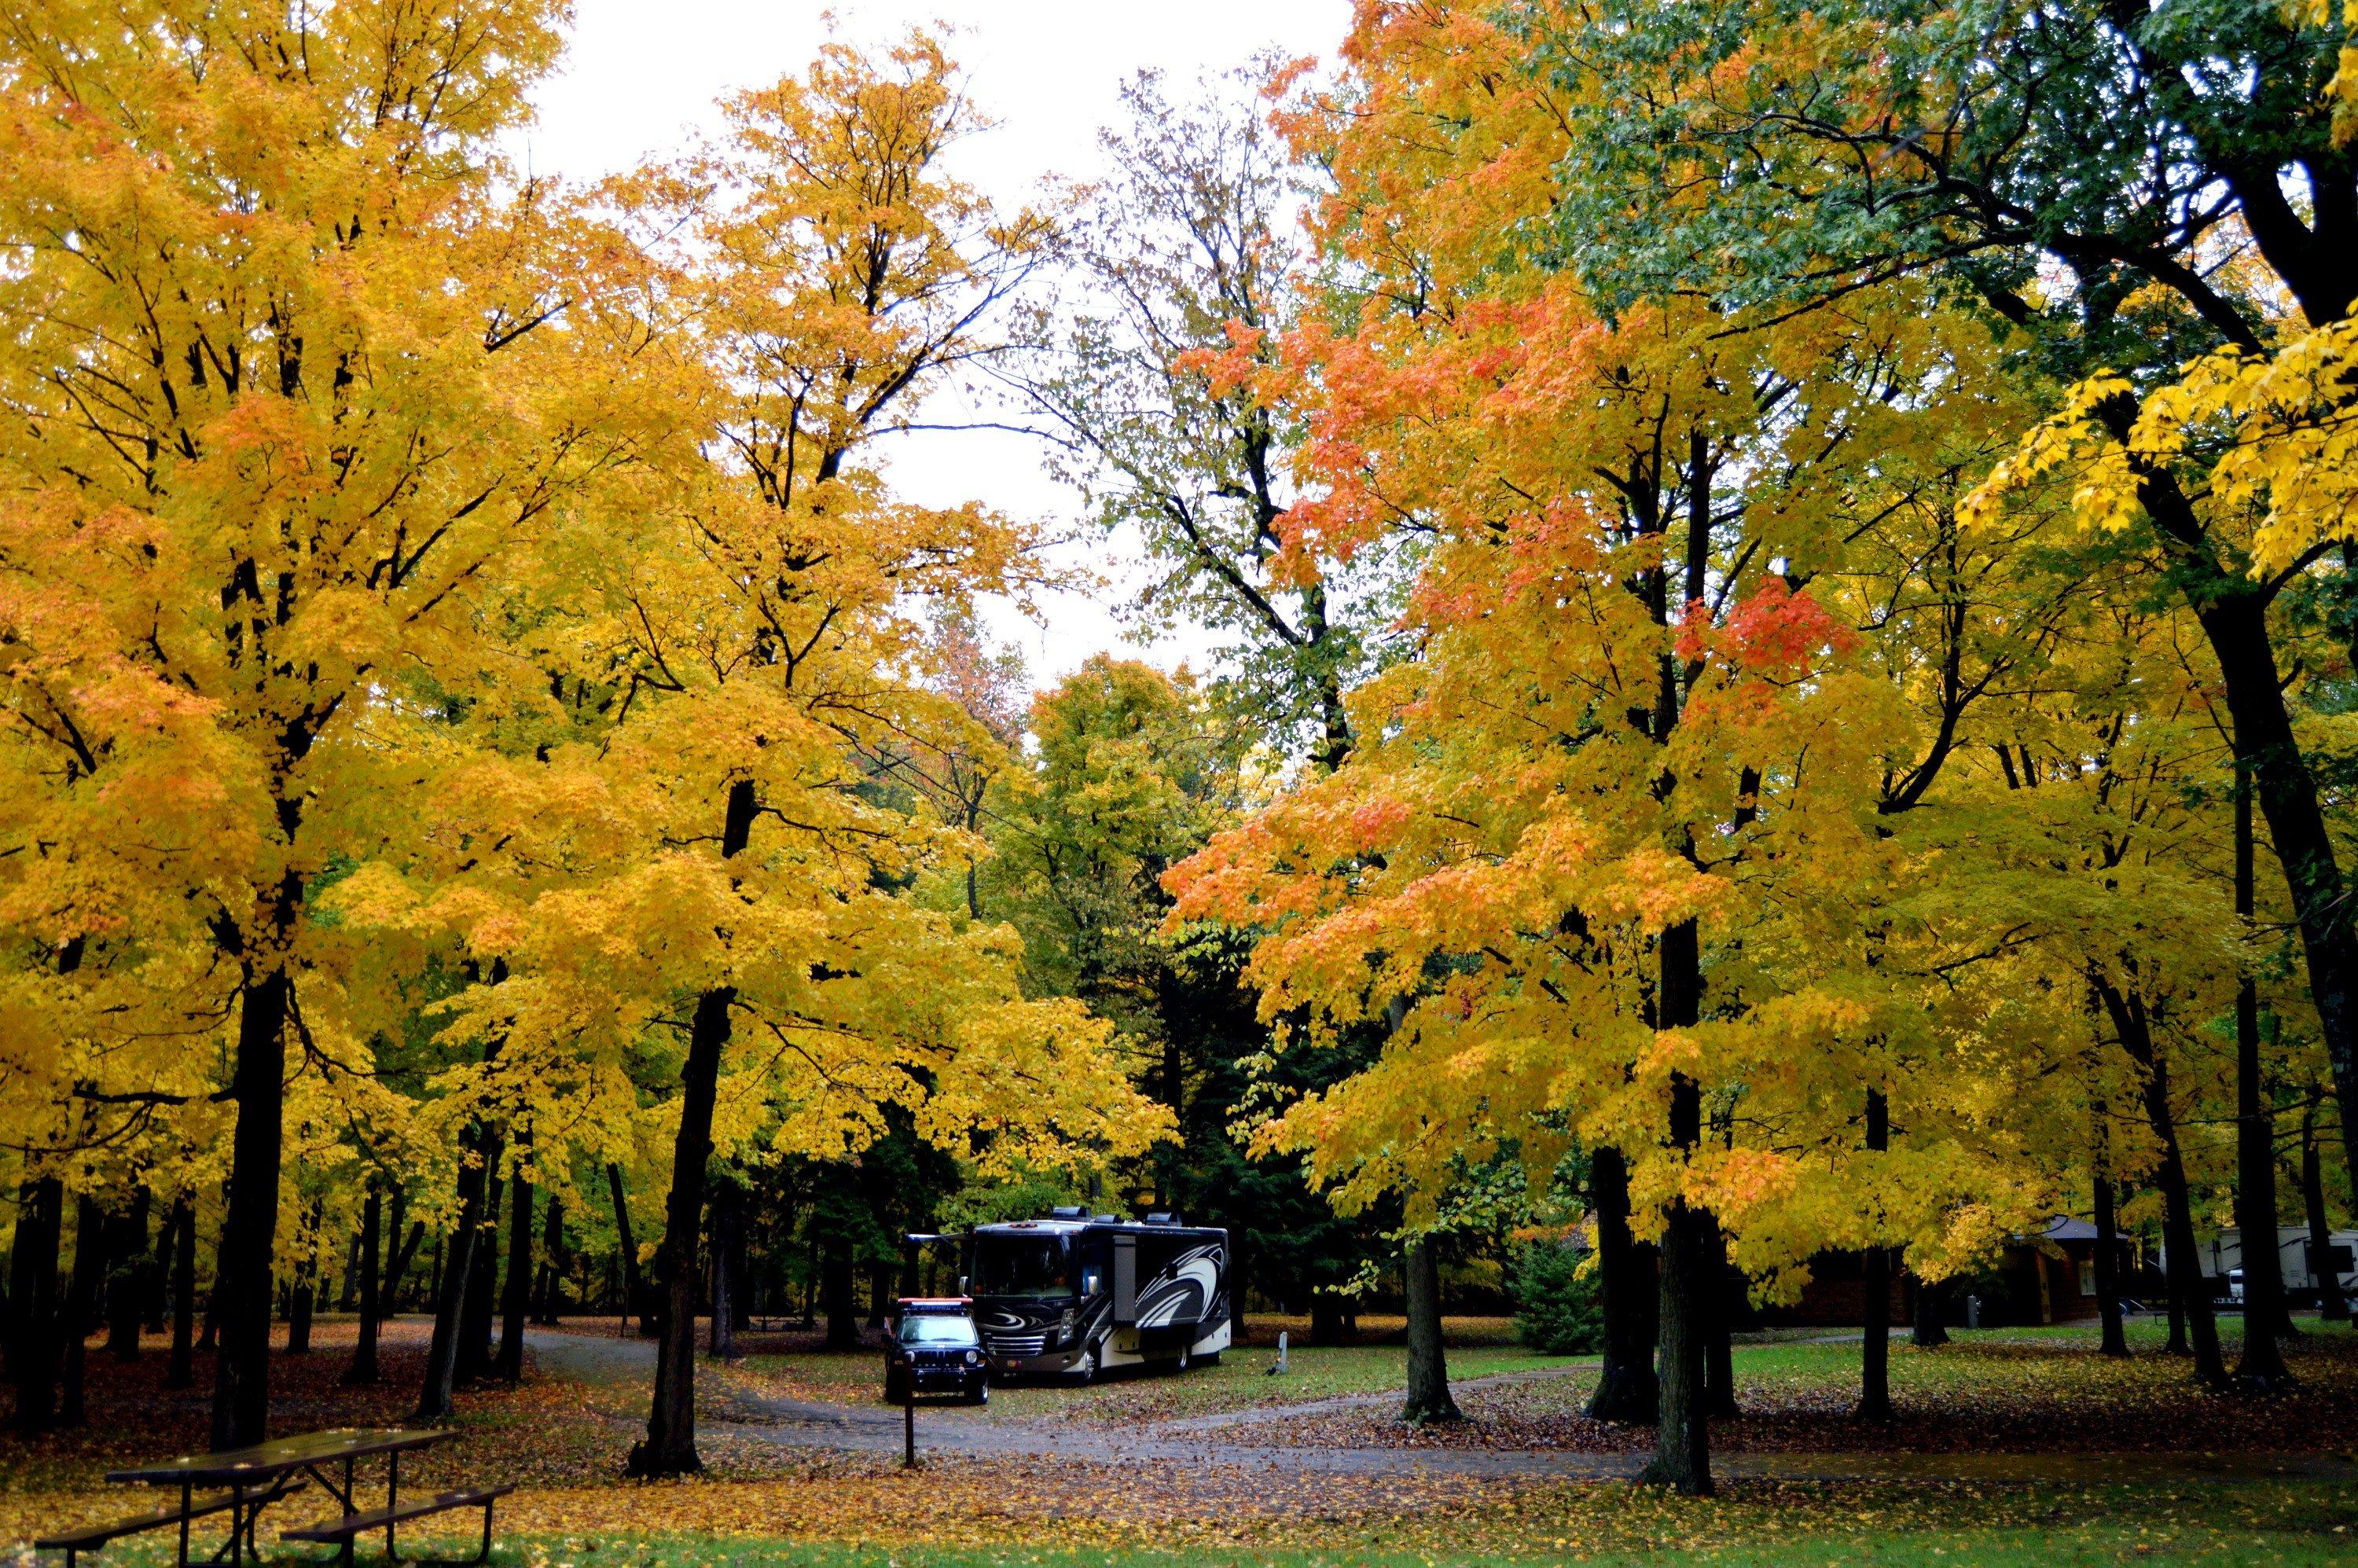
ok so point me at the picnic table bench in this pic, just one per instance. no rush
(262, 1475)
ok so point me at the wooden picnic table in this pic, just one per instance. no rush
(260, 1476)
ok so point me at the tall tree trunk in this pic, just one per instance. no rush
(240, 1414)
(1429, 1398)
(159, 1293)
(1719, 1344)
(669, 1447)
(2331, 1307)
(81, 1306)
(2108, 1272)
(1875, 1348)
(453, 1260)
(180, 1371)
(364, 1268)
(2187, 1291)
(403, 1252)
(842, 1310)
(552, 1247)
(1681, 1439)
(481, 1306)
(306, 1285)
(1625, 1390)
(2262, 1367)
(33, 1303)
(126, 1284)
(629, 1247)
(727, 1199)
(516, 1301)
(348, 1296)
(2233, 612)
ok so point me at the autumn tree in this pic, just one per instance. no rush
(708, 870)
(1188, 250)
(1843, 148)
(284, 377)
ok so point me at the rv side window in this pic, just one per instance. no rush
(1092, 1280)
(1021, 1266)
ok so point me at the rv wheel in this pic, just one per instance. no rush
(1086, 1372)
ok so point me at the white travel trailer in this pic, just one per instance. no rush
(2222, 1260)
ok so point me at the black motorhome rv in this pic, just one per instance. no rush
(1075, 1293)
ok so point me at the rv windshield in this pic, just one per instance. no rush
(1021, 1266)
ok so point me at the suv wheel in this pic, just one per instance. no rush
(981, 1394)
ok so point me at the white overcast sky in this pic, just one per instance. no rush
(642, 76)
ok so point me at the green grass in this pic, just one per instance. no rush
(1240, 1381)
(1918, 1526)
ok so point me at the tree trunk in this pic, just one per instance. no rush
(2235, 616)
(2262, 1367)
(628, 1248)
(481, 1305)
(1682, 1453)
(1930, 1299)
(1874, 1347)
(842, 1310)
(1719, 1347)
(33, 1299)
(306, 1285)
(2186, 1278)
(404, 1251)
(364, 1268)
(241, 1414)
(1429, 1398)
(515, 1303)
(2331, 1305)
(126, 1284)
(81, 1306)
(552, 1247)
(1325, 1318)
(348, 1298)
(726, 1198)
(2186, 1294)
(1681, 1440)
(2108, 1273)
(180, 1371)
(669, 1447)
(453, 1262)
(158, 1292)
(1627, 1390)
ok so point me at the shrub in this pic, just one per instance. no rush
(1557, 1312)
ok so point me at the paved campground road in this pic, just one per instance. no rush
(1221, 1442)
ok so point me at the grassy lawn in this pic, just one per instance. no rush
(1240, 1381)
(883, 1520)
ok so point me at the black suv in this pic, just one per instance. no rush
(934, 1350)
